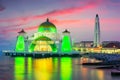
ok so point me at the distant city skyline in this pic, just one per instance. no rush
(78, 16)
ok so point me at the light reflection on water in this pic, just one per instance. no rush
(19, 68)
(65, 68)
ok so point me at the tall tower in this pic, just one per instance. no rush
(97, 32)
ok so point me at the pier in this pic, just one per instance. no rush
(40, 54)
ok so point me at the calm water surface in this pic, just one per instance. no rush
(65, 68)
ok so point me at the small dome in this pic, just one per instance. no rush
(47, 27)
(22, 31)
(66, 31)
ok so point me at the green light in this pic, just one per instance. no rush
(54, 47)
(31, 47)
(29, 64)
(42, 38)
(66, 44)
(19, 68)
(55, 64)
(29, 68)
(47, 29)
(66, 68)
(20, 45)
(43, 69)
(41, 29)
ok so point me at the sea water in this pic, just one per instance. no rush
(64, 68)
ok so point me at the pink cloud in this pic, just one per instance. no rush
(71, 10)
(59, 12)
(72, 21)
(110, 25)
(19, 21)
(62, 22)
(90, 22)
(16, 28)
(11, 26)
(110, 20)
(31, 28)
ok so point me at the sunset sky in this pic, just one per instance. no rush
(78, 16)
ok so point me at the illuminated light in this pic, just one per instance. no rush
(55, 64)
(47, 27)
(84, 72)
(54, 47)
(19, 68)
(100, 74)
(42, 46)
(66, 44)
(29, 68)
(31, 47)
(97, 75)
(66, 68)
(20, 45)
(43, 69)
(43, 43)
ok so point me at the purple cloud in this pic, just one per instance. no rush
(1, 8)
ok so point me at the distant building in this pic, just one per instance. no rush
(96, 46)
(111, 44)
(84, 44)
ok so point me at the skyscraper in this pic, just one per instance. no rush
(97, 32)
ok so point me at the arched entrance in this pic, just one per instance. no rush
(42, 44)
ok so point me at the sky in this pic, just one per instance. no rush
(78, 16)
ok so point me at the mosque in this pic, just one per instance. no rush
(46, 39)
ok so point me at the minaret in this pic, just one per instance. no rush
(22, 32)
(66, 45)
(20, 42)
(97, 32)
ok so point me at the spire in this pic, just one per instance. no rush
(96, 15)
(47, 20)
(22, 31)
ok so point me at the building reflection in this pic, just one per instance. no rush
(30, 69)
(23, 68)
(84, 73)
(100, 74)
(43, 68)
(19, 68)
(66, 69)
(56, 66)
(97, 75)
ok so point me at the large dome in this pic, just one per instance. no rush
(47, 27)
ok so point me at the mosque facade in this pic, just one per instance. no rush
(46, 39)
